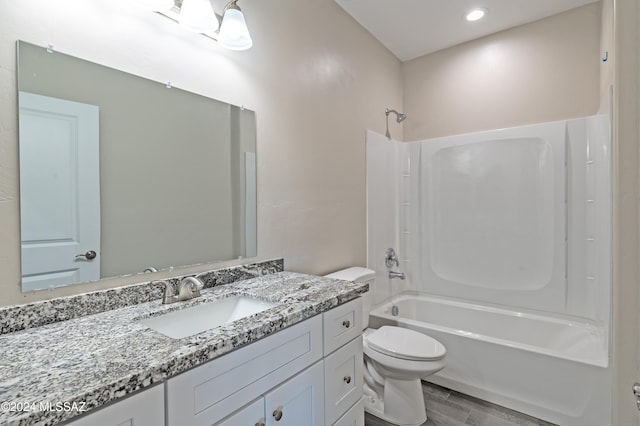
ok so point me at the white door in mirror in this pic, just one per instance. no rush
(59, 192)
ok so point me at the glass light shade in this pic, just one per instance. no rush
(198, 16)
(156, 5)
(234, 33)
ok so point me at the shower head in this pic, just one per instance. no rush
(400, 117)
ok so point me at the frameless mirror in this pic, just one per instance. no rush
(120, 174)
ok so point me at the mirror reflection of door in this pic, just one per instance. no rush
(60, 191)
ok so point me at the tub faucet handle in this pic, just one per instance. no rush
(391, 258)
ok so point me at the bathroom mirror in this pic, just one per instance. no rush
(120, 174)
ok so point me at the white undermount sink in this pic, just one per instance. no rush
(196, 319)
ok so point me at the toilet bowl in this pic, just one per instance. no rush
(395, 361)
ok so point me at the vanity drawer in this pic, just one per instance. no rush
(208, 393)
(342, 324)
(343, 379)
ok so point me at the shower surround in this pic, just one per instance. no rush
(514, 219)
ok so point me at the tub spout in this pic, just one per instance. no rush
(394, 274)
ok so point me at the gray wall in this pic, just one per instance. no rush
(543, 71)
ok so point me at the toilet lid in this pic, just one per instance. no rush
(405, 344)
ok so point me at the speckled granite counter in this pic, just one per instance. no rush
(95, 359)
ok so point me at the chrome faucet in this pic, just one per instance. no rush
(391, 260)
(188, 288)
(394, 274)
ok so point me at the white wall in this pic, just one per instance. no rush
(314, 77)
(385, 164)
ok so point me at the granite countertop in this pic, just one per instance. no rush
(89, 361)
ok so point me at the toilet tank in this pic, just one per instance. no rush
(359, 275)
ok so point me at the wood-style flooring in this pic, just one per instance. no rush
(446, 407)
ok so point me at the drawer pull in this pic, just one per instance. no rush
(260, 423)
(277, 414)
(346, 323)
(347, 379)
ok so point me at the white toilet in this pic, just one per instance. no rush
(395, 359)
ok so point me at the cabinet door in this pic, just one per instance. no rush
(299, 401)
(353, 417)
(142, 409)
(252, 414)
(343, 379)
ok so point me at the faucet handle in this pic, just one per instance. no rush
(197, 286)
(391, 258)
(169, 295)
(195, 290)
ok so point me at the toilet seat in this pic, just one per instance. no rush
(405, 344)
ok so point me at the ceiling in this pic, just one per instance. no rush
(413, 28)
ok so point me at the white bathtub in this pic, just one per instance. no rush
(550, 367)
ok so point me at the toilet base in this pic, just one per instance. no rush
(402, 403)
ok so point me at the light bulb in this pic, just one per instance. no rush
(234, 33)
(475, 15)
(198, 16)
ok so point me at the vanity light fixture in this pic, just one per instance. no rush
(230, 29)
(475, 14)
(198, 16)
(234, 33)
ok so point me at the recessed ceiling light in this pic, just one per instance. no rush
(475, 15)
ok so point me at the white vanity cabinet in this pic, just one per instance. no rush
(307, 374)
(145, 408)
